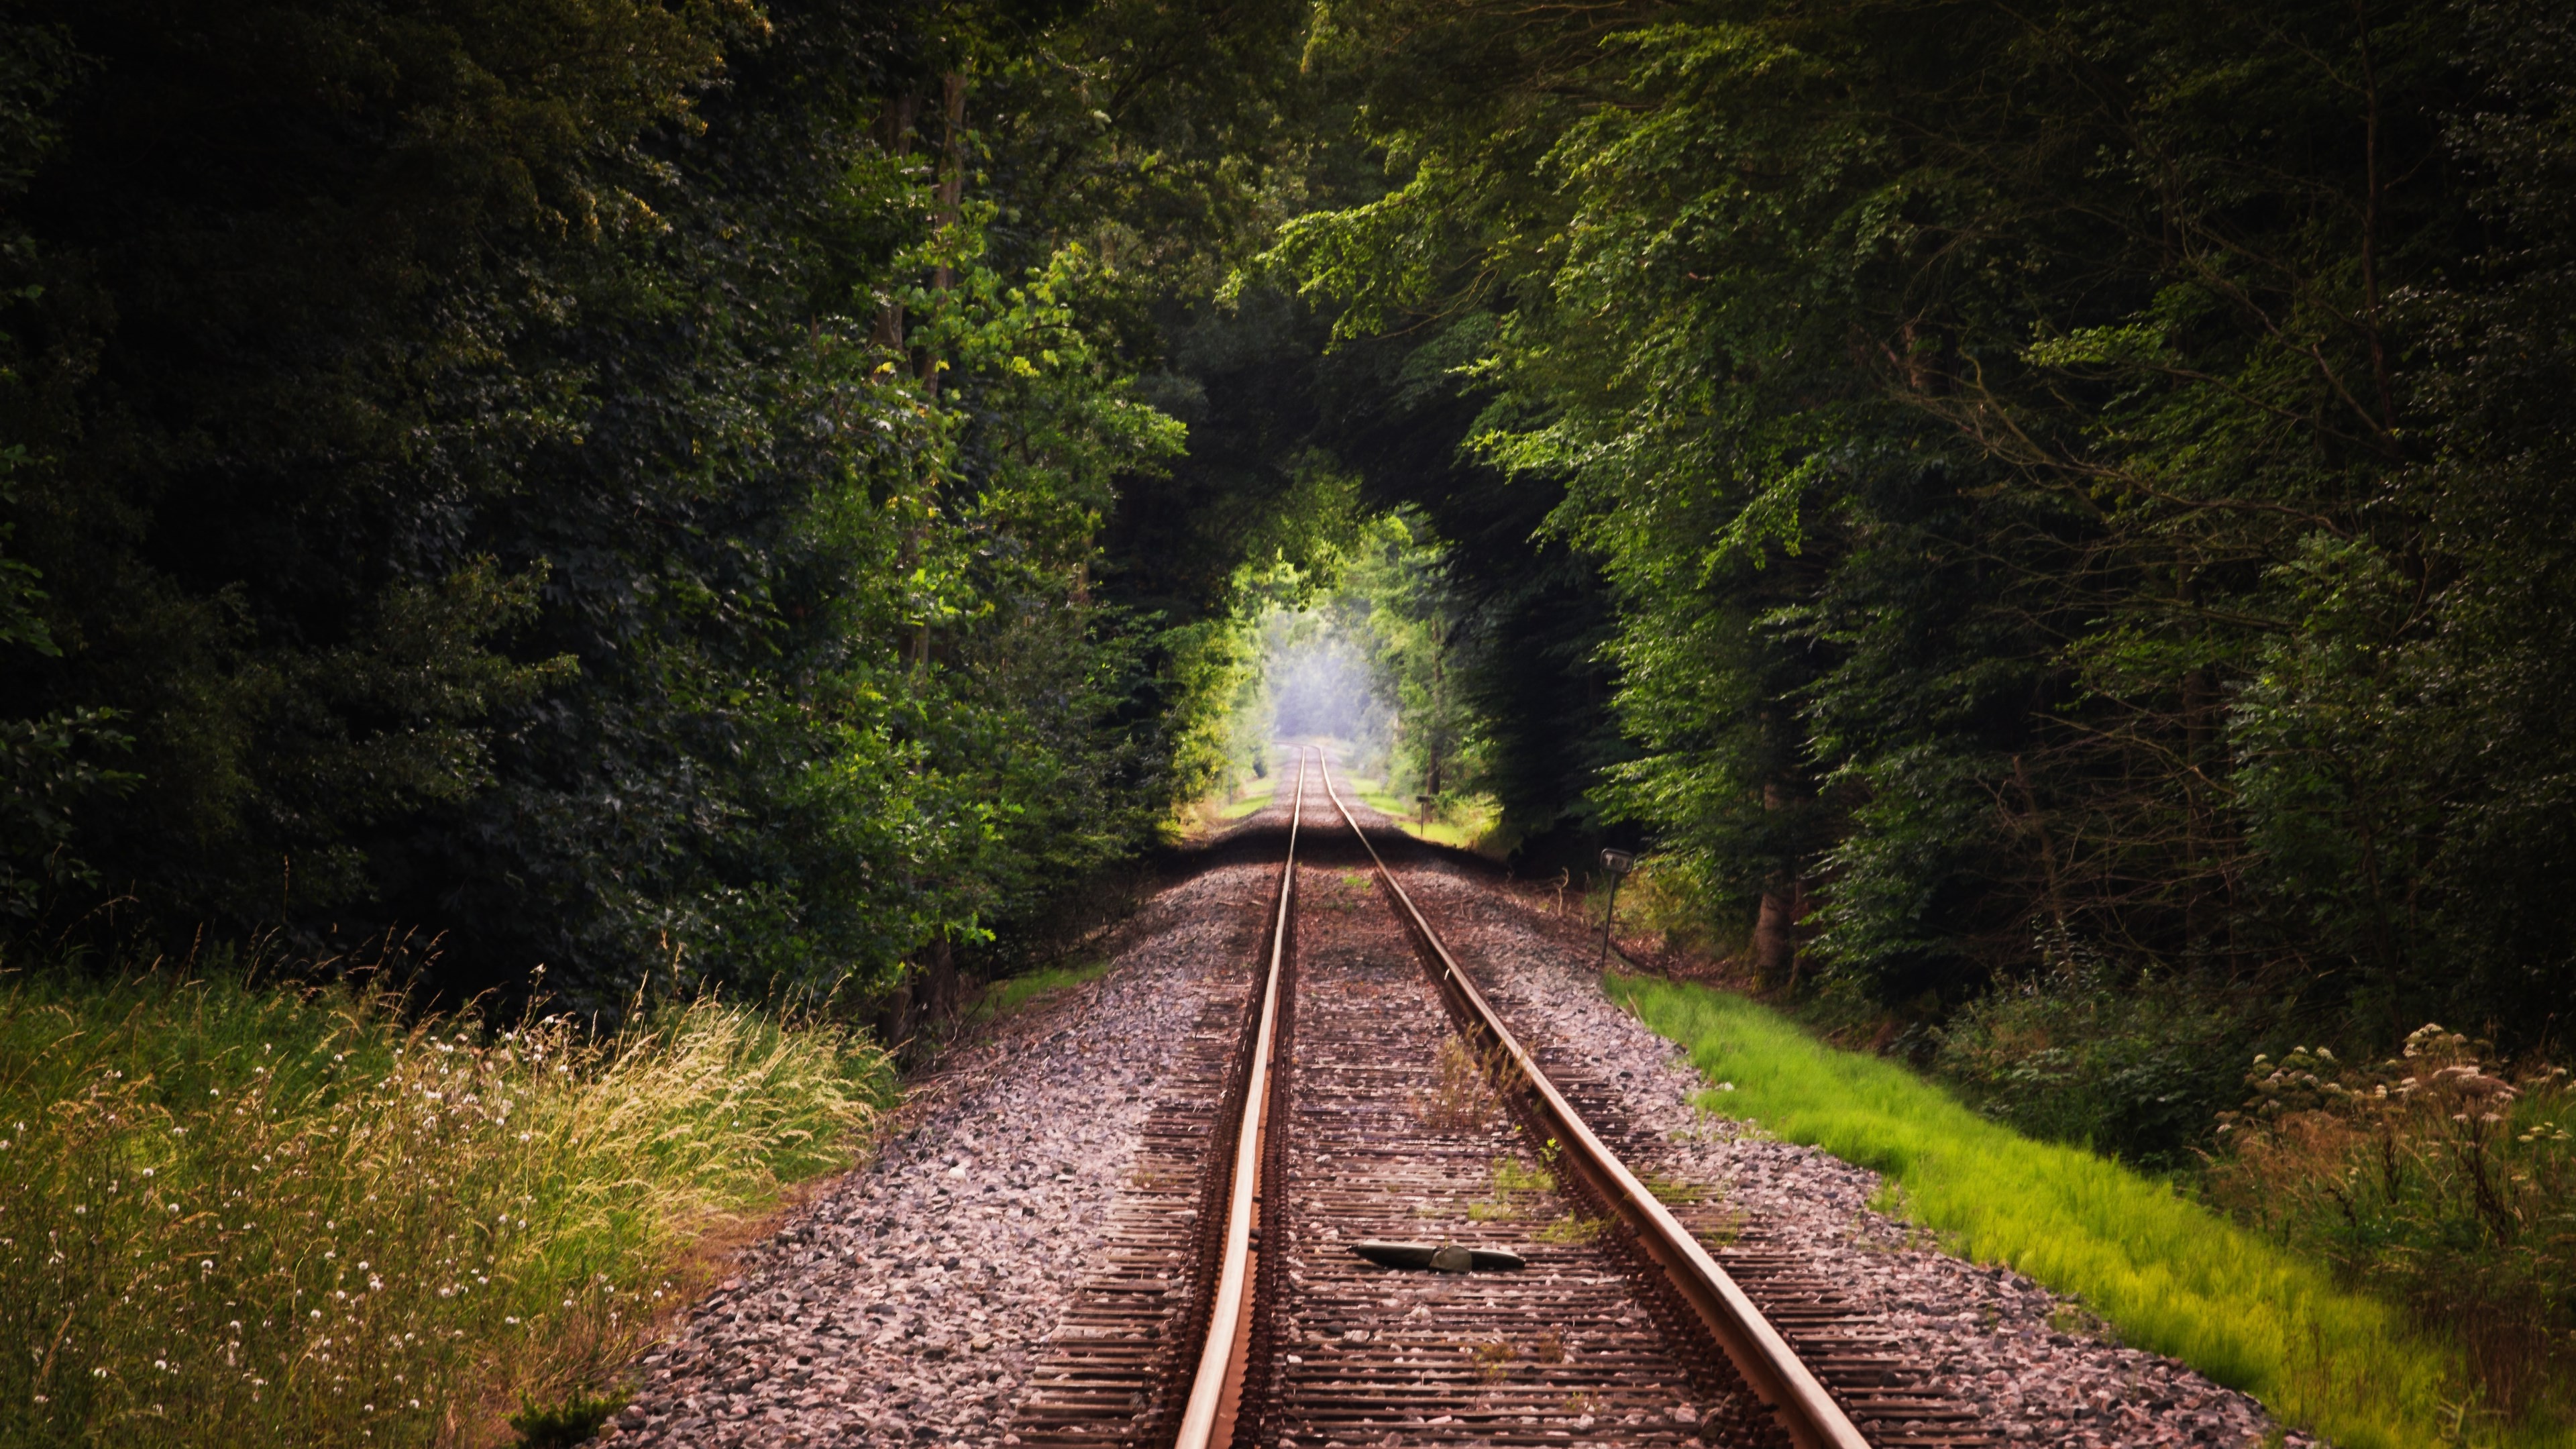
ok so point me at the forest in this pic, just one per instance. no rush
(2052, 528)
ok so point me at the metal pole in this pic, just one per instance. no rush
(1607, 917)
(1618, 863)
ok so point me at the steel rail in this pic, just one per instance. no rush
(1804, 1408)
(1216, 1390)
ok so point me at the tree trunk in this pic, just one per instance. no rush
(1775, 925)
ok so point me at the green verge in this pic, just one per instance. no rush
(2170, 1275)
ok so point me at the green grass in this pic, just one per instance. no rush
(2167, 1273)
(1463, 833)
(1011, 993)
(261, 1216)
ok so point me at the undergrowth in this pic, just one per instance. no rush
(2441, 1180)
(261, 1216)
(1001, 998)
(2135, 1065)
(2170, 1274)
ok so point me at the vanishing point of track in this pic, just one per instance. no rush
(1367, 1088)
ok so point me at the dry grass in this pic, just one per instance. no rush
(261, 1218)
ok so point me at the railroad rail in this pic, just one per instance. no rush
(1306, 1110)
(1805, 1410)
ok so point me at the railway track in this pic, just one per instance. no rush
(1365, 1088)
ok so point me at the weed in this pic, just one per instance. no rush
(1724, 1232)
(1011, 993)
(1512, 1176)
(2437, 1177)
(1572, 1228)
(1670, 1193)
(1462, 1097)
(1493, 1360)
(1513, 1182)
(575, 1421)
(1548, 1347)
(2077, 1321)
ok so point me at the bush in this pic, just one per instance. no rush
(2137, 1068)
(299, 1217)
(2449, 1186)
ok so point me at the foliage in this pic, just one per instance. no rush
(2449, 1186)
(631, 514)
(2081, 473)
(304, 1217)
(2172, 1276)
(2084, 1054)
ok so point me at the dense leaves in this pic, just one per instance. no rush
(2077, 483)
(615, 484)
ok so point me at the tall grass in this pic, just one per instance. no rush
(2169, 1274)
(263, 1217)
(2437, 1179)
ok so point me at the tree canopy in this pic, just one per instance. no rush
(1986, 495)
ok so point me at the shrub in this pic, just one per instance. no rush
(2444, 1183)
(300, 1217)
(2135, 1067)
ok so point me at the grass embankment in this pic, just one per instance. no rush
(2167, 1273)
(271, 1217)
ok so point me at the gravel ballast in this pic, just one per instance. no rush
(2000, 1340)
(906, 1303)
